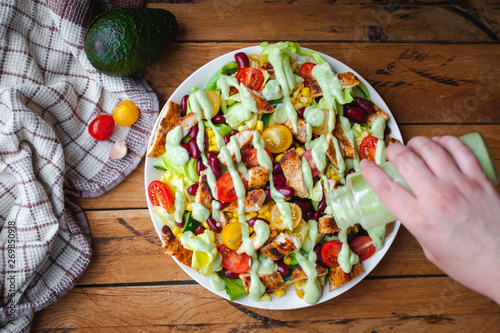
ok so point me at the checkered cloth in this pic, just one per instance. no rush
(49, 94)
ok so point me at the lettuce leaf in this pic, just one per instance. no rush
(234, 287)
(228, 69)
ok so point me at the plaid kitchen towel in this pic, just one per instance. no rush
(49, 94)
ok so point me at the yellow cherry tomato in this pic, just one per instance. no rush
(300, 287)
(231, 235)
(215, 100)
(126, 113)
(277, 138)
(279, 223)
(255, 60)
(323, 128)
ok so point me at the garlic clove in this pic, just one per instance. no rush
(119, 150)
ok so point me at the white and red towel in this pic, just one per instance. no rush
(49, 94)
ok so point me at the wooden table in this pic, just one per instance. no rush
(436, 65)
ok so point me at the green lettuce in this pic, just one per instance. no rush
(228, 69)
(234, 287)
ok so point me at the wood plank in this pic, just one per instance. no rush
(407, 303)
(131, 194)
(421, 83)
(371, 21)
(126, 249)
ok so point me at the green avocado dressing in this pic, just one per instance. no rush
(346, 258)
(216, 282)
(312, 290)
(272, 90)
(179, 206)
(176, 154)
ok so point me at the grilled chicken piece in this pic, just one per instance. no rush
(290, 163)
(169, 118)
(222, 221)
(272, 235)
(204, 194)
(327, 224)
(299, 274)
(188, 122)
(269, 69)
(348, 80)
(345, 145)
(253, 202)
(174, 247)
(263, 106)
(330, 152)
(332, 184)
(338, 277)
(378, 113)
(301, 134)
(257, 177)
(390, 140)
(282, 245)
(271, 281)
(244, 141)
(314, 88)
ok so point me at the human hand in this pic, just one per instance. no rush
(454, 211)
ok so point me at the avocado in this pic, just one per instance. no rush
(124, 41)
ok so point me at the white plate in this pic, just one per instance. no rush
(290, 300)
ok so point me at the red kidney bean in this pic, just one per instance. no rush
(277, 168)
(227, 139)
(316, 216)
(194, 131)
(355, 113)
(242, 60)
(279, 180)
(214, 225)
(184, 105)
(214, 164)
(252, 221)
(194, 151)
(317, 249)
(305, 206)
(199, 230)
(193, 189)
(322, 205)
(183, 222)
(230, 274)
(212, 154)
(364, 104)
(219, 119)
(387, 130)
(300, 112)
(283, 268)
(233, 132)
(310, 215)
(315, 136)
(223, 205)
(267, 191)
(351, 170)
(186, 146)
(286, 191)
(200, 166)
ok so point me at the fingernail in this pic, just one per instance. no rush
(435, 138)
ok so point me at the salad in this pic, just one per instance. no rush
(247, 162)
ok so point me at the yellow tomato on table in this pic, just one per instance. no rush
(126, 113)
(277, 138)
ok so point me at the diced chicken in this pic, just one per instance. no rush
(282, 245)
(327, 224)
(244, 139)
(253, 202)
(263, 106)
(338, 277)
(332, 184)
(271, 281)
(295, 67)
(222, 222)
(174, 247)
(290, 163)
(330, 152)
(188, 122)
(390, 140)
(169, 118)
(269, 69)
(344, 144)
(272, 235)
(204, 194)
(378, 113)
(299, 274)
(348, 80)
(301, 134)
(257, 177)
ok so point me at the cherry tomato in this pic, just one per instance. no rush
(279, 223)
(160, 195)
(225, 187)
(215, 100)
(277, 138)
(234, 262)
(309, 158)
(368, 147)
(250, 158)
(305, 72)
(231, 235)
(363, 247)
(252, 78)
(256, 60)
(126, 113)
(102, 127)
(330, 252)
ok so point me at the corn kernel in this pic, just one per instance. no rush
(189, 208)
(177, 232)
(210, 133)
(355, 229)
(235, 214)
(300, 151)
(292, 100)
(306, 92)
(265, 298)
(287, 260)
(242, 128)
(309, 100)
(213, 148)
(233, 219)
(261, 216)
(303, 100)
(278, 158)
(263, 209)
(279, 292)
(268, 214)
(250, 230)
(260, 125)
(205, 224)
(229, 215)
(253, 214)
(336, 177)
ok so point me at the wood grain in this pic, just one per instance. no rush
(338, 21)
(421, 83)
(406, 303)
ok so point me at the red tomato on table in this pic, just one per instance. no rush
(368, 147)
(225, 187)
(160, 195)
(102, 127)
